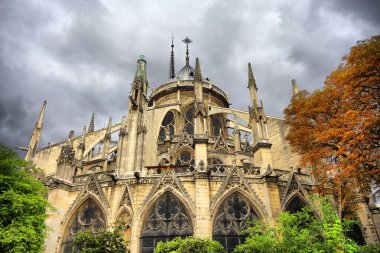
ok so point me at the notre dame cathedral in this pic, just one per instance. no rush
(181, 163)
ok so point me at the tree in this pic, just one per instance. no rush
(336, 130)
(314, 229)
(189, 245)
(101, 241)
(23, 204)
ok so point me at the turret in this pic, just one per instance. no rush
(36, 135)
(139, 90)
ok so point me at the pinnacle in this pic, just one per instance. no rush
(251, 79)
(197, 72)
(92, 124)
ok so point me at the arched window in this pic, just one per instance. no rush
(167, 126)
(295, 205)
(168, 219)
(88, 217)
(189, 120)
(231, 219)
(216, 124)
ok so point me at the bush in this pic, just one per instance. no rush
(189, 245)
(370, 248)
(101, 241)
(302, 231)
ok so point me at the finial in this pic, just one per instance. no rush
(197, 71)
(70, 138)
(171, 67)
(92, 124)
(294, 87)
(187, 41)
(84, 133)
(41, 117)
(251, 79)
(109, 128)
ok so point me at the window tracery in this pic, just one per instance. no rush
(189, 120)
(168, 219)
(88, 217)
(167, 126)
(231, 219)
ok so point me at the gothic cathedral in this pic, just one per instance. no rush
(181, 163)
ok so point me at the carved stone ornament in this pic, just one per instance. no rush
(220, 143)
(67, 155)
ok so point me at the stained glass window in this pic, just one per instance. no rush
(231, 219)
(167, 126)
(189, 120)
(168, 219)
(216, 124)
(88, 217)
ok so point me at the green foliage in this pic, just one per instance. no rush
(370, 248)
(303, 231)
(189, 245)
(102, 241)
(23, 205)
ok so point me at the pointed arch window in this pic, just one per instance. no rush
(189, 120)
(216, 124)
(89, 216)
(167, 126)
(295, 205)
(231, 219)
(167, 219)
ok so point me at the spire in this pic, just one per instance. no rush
(171, 67)
(197, 72)
(294, 87)
(41, 117)
(36, 135)
(251, 79)
(92, 124)
(187, 41)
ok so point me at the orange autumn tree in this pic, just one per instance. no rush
(336, 130)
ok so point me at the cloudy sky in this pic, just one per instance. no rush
(81, 55)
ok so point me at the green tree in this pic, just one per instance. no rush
(305, 231)
(101, 241)
(189, 245)
(23, 204)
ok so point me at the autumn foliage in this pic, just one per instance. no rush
(336, 130)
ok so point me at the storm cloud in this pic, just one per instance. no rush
(81, 55)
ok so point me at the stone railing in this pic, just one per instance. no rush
(101, 176)
(178, 169)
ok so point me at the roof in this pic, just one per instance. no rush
(186, 73)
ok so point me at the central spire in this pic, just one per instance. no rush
(187, 41)
(171, 67)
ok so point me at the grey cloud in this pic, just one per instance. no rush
(81, 55)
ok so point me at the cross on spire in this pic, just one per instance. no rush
(187, 41)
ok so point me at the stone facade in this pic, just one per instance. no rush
(181, 163)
